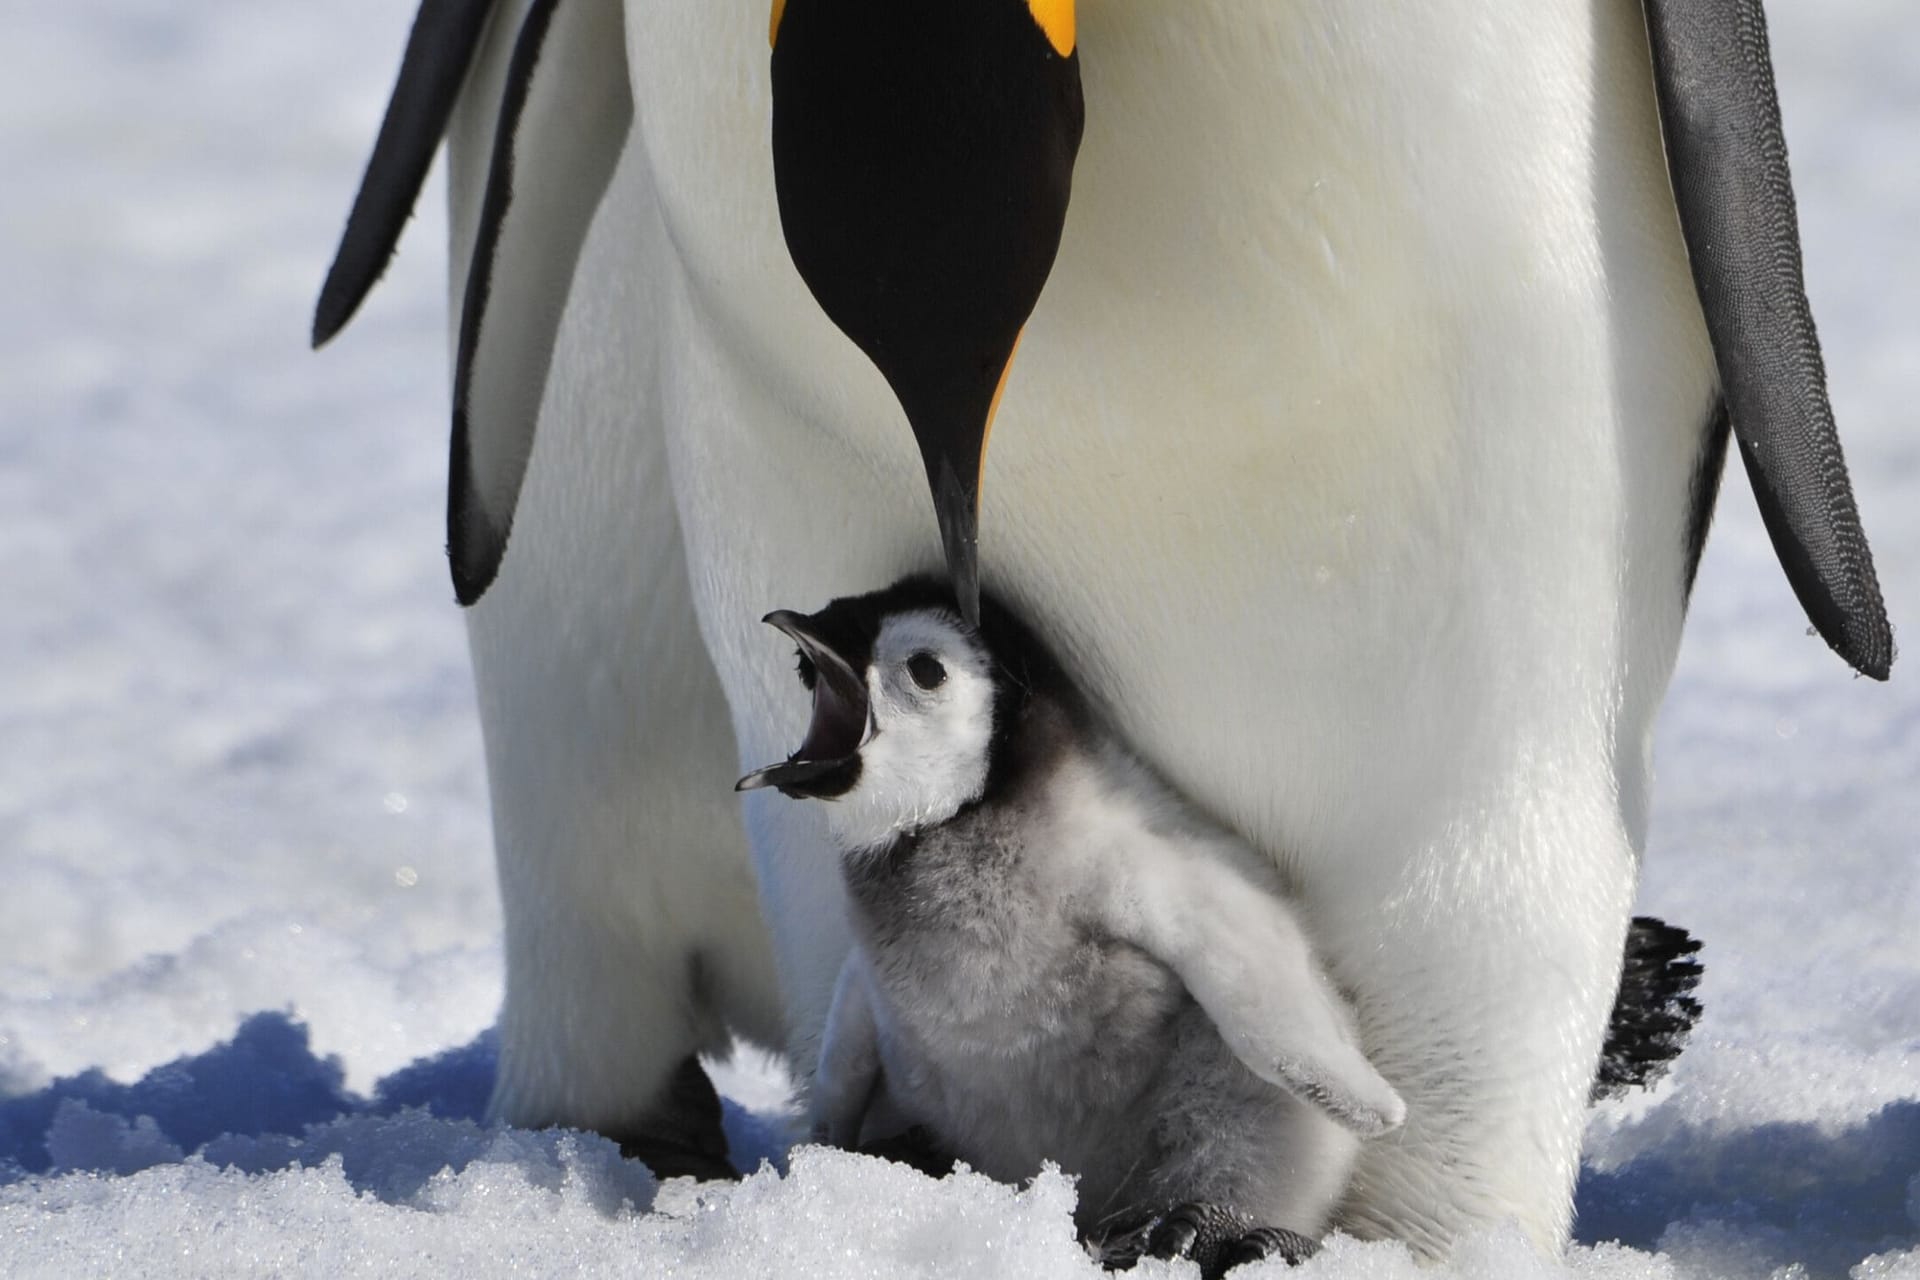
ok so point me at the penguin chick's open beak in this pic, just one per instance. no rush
(923, 159)
(827, 762)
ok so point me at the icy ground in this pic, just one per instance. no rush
(249, 939)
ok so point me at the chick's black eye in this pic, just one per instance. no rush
(926, 671)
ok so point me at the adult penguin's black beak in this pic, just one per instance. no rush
(923, 158)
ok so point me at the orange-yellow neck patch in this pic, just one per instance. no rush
(1055, 18)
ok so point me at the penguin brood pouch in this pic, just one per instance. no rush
(1056, 958)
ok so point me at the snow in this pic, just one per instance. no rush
(249, 939)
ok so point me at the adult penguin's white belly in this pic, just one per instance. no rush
(1347, 458)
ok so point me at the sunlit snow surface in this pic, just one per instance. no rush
(249, 939)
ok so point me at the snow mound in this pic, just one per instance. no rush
(533, 1205)
(254, 1158)
(542, 1205)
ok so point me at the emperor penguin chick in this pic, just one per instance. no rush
(1055, 957)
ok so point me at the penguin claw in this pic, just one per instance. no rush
(1268, 1242)
(1214, 1236)
(1182, 1234)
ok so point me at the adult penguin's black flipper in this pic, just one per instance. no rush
(563, 122)
(445, 35)
(564, 119)
(1728, 161)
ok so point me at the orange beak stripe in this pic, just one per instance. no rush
(993, 410)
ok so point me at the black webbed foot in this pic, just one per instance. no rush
(1654, 1011)
(1214, 1236)
(681, 1136)
(670, 1159)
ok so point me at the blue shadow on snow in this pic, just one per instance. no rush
(1826, 1199)
(264, 1101)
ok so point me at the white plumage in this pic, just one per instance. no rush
(1347, 461)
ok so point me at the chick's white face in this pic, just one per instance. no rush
(930, 688)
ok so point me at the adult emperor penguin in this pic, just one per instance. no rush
(1358, 455)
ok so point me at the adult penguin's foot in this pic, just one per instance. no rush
(681, 1137)
(1655, 1010)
